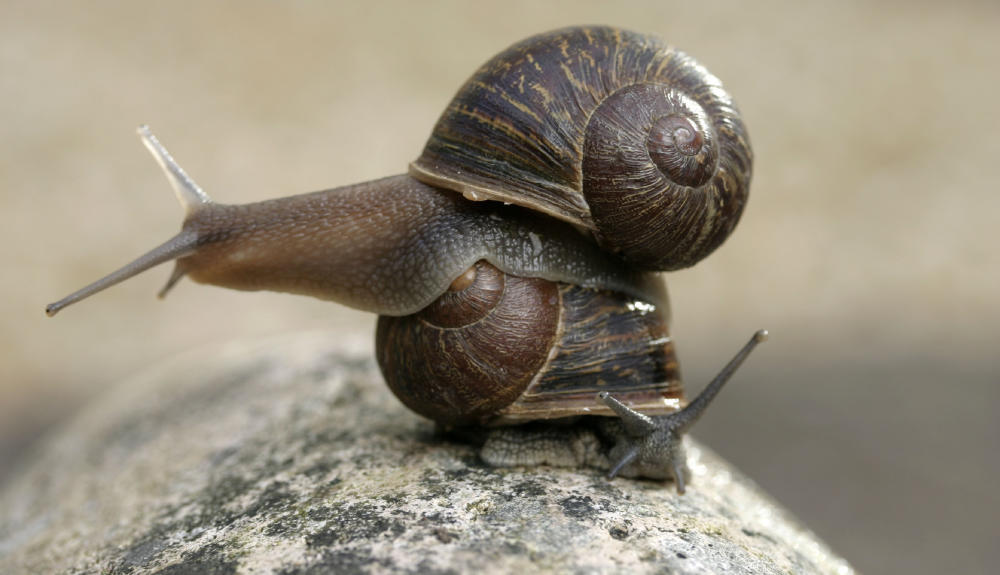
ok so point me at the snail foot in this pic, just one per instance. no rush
(556, 445)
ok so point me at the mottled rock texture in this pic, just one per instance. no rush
(290, 456)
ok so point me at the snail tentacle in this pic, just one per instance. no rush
(685, 418)
(653, 446)
(189, 193)
(628, 457)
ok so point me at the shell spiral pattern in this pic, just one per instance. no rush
(610, 130)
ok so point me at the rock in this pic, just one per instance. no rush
(290, 456)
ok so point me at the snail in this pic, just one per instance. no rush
(514, 268)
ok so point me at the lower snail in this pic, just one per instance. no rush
(514, 267)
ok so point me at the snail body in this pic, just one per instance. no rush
(391, 246)
(607, 155)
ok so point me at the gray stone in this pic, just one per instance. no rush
(290, 456)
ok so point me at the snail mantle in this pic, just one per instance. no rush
(290, 456)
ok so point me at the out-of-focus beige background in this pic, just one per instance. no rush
(868, 247)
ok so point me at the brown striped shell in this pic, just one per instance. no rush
(502, 349)
(610, 130)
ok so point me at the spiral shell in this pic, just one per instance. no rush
(610, 130)
(502, 349)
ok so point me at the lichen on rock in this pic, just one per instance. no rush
(290, 456)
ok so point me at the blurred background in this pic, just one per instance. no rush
(868, 247)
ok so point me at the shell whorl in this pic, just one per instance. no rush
(474, 350)
(500, 349)
(610, 130)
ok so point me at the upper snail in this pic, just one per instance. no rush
(498, 314)
(609, 130)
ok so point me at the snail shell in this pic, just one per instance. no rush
(610, 130)
(502, 349)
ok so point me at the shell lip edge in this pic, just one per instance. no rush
(580, 218)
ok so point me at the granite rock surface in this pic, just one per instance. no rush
(290, 456)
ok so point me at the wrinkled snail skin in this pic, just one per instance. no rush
(513, 267)
(391, 246)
